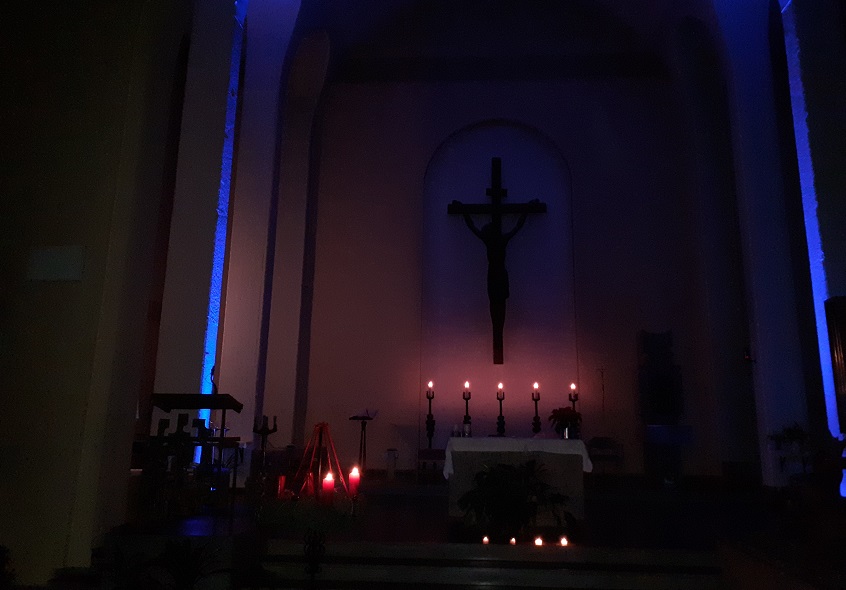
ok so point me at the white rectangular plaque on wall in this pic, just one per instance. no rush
(56, 263)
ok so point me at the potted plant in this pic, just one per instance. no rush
(828, 466)
(566, 422)
(505, 500)
(790, 438)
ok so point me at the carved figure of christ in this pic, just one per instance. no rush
(496, 242)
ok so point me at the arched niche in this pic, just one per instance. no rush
(539, 334)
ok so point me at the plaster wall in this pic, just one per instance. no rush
(84, 173)
(635, 260)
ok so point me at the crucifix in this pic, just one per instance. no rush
(496, 242)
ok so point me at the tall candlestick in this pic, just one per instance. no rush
(466, 396)
(500, 421)
(536, 421)
(430, 419)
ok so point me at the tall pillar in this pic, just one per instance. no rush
(85, 163)
(185, 301)
(771, 292)
(285, 391)
(247, 290)
(816, 44)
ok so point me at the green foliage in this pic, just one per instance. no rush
(790, 434)
(565, 418)
(505, 499)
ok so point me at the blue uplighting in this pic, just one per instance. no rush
(816, 256)
(216, 283)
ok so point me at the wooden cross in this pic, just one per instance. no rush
(496, 242)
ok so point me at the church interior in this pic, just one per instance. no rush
(632, 208)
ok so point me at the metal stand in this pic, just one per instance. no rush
(264, 431)
(310, 472)
(536, 421)
(467, 431)
(500, 421)
(430, 419)
(362, 440)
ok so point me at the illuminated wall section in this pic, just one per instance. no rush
(816, 255)
(220, 233)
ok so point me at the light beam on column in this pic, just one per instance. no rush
(816, 256)
(216, 283)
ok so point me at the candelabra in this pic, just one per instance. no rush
(430, 419)
(500, 421)
(536, 421)
(466, 396)
(264, 431)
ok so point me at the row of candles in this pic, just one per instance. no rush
(352, 482)
(500, 393)
(328, 484)
(563, 541)
(500, 422)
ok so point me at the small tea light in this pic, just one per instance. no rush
(538, 541)
(485, 540)
(513, 541)
(564, 542)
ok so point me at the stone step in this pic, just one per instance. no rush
(373, 565)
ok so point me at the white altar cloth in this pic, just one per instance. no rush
(516, 445)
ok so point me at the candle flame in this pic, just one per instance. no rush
(536, 385)
(564, 541)
(499, 386)
(573, 386)
(353, 473)
(485, 540)
(329, 477)
(466, 385)
(538, 541)
(513, 541)
(430, 384)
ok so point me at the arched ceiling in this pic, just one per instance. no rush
(375, 40)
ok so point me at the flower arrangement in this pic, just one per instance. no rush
(505, 500)
(566, 422)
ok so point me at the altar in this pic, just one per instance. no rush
(564, 462)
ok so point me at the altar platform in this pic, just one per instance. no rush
(637, 533)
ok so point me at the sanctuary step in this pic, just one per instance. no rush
(464, 565)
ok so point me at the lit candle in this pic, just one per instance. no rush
(573, 387)
(485, 540)
(500, 394)
(535, 392)
(328, 484)
(538, 541)
(355, 478)
(564, 541)
(513, 541)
